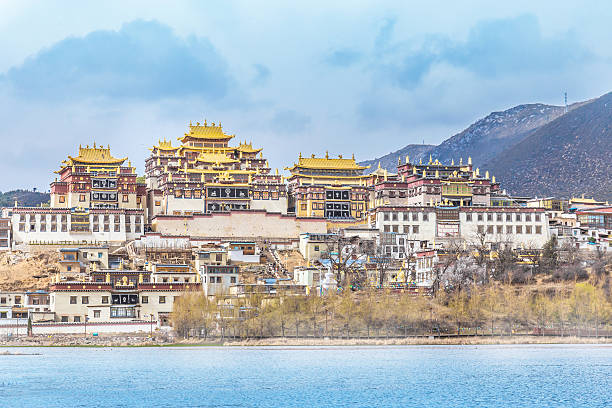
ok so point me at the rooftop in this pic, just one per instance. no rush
(94, 155)
(205, 131)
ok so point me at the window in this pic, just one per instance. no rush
(104, 299)
(81, 197)
(415, 229)
(62, 199)
(527, 217)
(500, 217)
(538, 229)
(123, 312)
(489, 217)
(77, 319)
(85, 300)
(316, 248)
(415, 216)
(500, 229)
(125, 198)
(537, 217)
(509, 229)
(144, 299)
(96, 313)
(64, 319)
(481, 229)
(73, 300)
(395, 228)
(425, 216)
(233, 279)
(527, 229)
(2, 315)
(162, 299)
(303, 207)
(519, 229)
(480, 217)
(157, 203)
(518, 217)
(386, 217)
(386, 228)
(489, 229)
(3, 300)
(508, 217)
(468, 217)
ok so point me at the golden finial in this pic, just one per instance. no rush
(353, 156)
(461, 161)
(477, 171)
(399, 160)
(437, 174)
(424, 174)
(277, 171)
(421, 161)
(469, 159)
(219, 124)
(493, 180)
(452, 162)
(429, 159)
(326, 155)
(487, 174)
(379, 165)
(407, 159)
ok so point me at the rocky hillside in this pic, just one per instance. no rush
(535, 149)
(491, 135)
(568, 156)
(389, 161)
(482, 140)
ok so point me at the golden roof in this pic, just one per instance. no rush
(327, 163)
(247, 148)
(215, 158)
(165, 145)
(94, 155)
(205, 131)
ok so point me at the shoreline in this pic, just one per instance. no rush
(134, 341)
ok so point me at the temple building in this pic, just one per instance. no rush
(333, 188)
(97, 199)
(204, 174)
(96, 179)
(434, 183)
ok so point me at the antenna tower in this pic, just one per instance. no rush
(565, 96)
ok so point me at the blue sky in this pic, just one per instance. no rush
(363, 77)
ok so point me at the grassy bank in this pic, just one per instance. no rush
(303, 342)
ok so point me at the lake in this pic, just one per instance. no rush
(389, 376)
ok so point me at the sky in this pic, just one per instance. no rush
(362, 77)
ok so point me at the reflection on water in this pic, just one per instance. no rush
(448, 376)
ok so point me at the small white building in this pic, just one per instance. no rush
(217, 279)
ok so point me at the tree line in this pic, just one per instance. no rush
(584, 309)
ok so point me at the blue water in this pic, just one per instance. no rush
(435, 376)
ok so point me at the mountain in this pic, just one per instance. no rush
(389, 161)
(24, 198)
(568, 156)
(482, 140)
